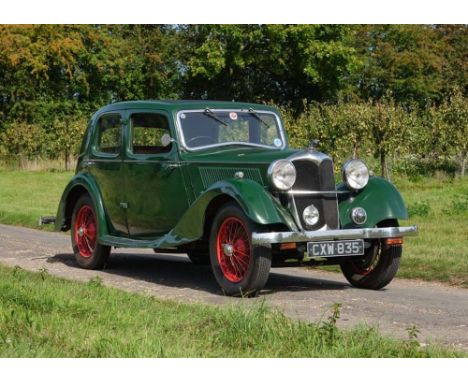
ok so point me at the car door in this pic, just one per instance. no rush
(105, 165)
(155, 191)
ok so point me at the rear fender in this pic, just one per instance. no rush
(78, 185)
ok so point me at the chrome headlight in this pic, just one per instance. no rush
(282, 174)
(355, 174)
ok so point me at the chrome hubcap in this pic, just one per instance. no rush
(228, 249)
(81, 232)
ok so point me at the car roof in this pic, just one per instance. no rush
(176, 105)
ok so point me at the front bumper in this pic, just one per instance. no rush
(262, 238)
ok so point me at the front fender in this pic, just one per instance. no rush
(254, 200)
(379, 198)
(78, 185)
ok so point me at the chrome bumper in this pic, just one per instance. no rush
(259, 238)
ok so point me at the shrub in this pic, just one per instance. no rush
(458, 206)
(421, 209)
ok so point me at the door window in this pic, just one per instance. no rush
(147, 131)
(108, 135)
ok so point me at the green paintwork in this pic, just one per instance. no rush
(379, 198)
(258, 205)
(161, 200)
(79, 182)
(256, 202)
(166, 205)
(156, 192)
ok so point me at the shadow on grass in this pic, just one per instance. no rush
(178, 272)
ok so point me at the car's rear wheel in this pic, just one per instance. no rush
(379, 265)
(240, 268)
(84, 236)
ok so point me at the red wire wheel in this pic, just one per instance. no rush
(378, 267)
(366, 266)
(233, 249)
(85, 231)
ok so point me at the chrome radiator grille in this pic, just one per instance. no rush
(316, 176)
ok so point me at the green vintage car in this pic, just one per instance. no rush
(218, 181)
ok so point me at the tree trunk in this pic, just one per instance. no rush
(383, 164)
(464, 157)
(66, 160)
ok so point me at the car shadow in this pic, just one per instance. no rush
(178, 272)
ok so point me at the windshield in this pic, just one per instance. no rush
(210, 127)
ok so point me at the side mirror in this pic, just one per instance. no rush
(166, 140)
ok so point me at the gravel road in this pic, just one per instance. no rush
(440, 312)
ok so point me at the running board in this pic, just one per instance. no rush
(166, 241)
(46, 220)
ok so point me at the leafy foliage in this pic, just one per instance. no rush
(285, 64)
(384, 92)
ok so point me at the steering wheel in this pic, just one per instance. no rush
(211, 139)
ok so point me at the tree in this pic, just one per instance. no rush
(454, 40)
(404, 61)
(285, 64)
(456, 116)
(388, 128)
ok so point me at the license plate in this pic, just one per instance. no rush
(335, 248)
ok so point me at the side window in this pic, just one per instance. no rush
(147, 131)
(108, 135)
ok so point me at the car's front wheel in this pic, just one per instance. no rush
(240, 268)
(84, 236)
(378, 266)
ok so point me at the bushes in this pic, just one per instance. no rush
(421, 209)
(408, 140)
(458, 206)
(21, 142)
(392, 138)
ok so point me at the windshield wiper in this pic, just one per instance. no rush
(255, 114)
(208, 112)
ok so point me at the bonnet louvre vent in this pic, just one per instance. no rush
(210, 175)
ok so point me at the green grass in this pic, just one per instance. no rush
(439, 208)
(26, 195)
(44, 316)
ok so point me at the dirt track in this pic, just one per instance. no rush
(439, 312)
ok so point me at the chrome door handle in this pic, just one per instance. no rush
(88, 163)
(171, 165)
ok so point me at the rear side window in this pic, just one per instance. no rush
(108, 135)
(147, 131)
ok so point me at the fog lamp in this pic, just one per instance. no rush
(311, 215)
(359, 215)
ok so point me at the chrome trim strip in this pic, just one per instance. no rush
(259, 238)
(303, 192)
(180, 133)
(294, 212)
(315, 156)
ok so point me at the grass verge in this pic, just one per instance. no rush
(45, 316)
(439, 207)
(26, 195)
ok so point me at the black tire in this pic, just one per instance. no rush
(254, 275)
(379, 265)
(199, 258)
(98, 254)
